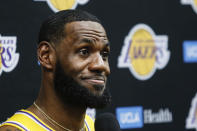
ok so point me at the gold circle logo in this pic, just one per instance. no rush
(57, 5)
(62, 4)
(144, 52)
(140, 53)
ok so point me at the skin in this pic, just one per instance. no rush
(83, 54)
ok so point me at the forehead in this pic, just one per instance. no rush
(86, 29)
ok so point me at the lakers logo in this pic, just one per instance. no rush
(57, 5)
(8, 56)
(193, 3)
(1, 49)
(144, 52)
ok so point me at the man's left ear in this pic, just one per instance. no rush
(46, 55)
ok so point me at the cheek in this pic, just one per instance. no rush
(76, 66)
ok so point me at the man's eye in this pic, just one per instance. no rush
(84, 51)
(105, 55)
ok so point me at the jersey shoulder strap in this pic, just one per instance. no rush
(89, 123)
(27, 121)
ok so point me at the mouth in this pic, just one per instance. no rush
(96, 81)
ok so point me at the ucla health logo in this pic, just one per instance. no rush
(137, 117)
(193, 3)
(144, 52)
(8, 56)
(190, 51)
(57, 5)
(130, 117)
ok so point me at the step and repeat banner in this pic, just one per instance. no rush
(153, 58)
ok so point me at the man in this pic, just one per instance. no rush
(73, 52)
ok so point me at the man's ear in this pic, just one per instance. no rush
(46, 55)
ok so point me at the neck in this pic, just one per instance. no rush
(65, 115)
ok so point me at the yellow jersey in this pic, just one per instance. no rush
(28, 121)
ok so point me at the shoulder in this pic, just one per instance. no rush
(8, 128)
(14, 123)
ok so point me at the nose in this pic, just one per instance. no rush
(99, 65)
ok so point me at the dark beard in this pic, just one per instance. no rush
(73, 94)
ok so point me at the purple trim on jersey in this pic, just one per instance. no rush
(34, 119)
(87, 125)
(17, 125)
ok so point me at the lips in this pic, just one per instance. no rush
(98, 80)
(95, 81)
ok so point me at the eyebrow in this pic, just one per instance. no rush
(85, 40)
(90, 41)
